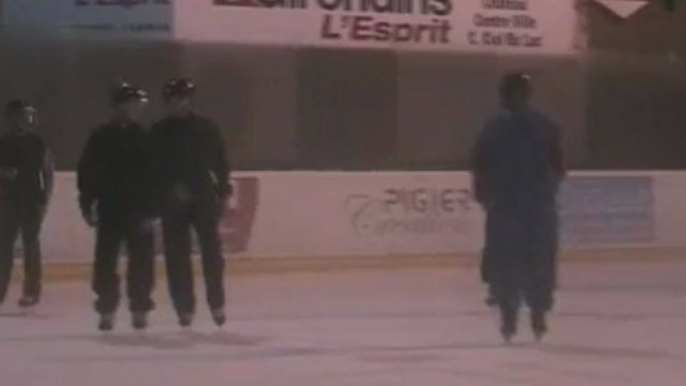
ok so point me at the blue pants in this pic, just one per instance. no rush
(520, 255)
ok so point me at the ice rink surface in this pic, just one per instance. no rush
(616, 324)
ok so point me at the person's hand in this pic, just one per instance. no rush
(90, 217)
(147, 224)
(181, 194)
(43, 210)
(8, 173)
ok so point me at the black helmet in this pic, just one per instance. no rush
(16, 106)
(515, 82)
(184, 87)
(125, 92)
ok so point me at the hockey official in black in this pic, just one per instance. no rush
(192, 170)
(117, 198)
(26, 182)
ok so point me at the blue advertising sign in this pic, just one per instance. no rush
(607, 210)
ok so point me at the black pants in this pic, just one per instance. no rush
(177, 226)
(140, 270)
(520, 258)
(26, 218)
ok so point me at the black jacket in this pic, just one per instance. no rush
(115, 173)
(28, 155)
(190, 151)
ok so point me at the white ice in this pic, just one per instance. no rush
(616, 324)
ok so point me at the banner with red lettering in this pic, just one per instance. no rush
(518, 26)
(507, 26)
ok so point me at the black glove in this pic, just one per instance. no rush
(225, 191)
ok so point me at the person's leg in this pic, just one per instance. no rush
(485, 267)
(177, 252)
(504, 247)
(541, 274)
(213, 264)
(9, 229)
(105, 278)
(30, 229)
(508, 297)
(140, 271)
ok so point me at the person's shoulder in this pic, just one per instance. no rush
(543, 120)
(203, 121)
(205, 125)
(158, 124)
(102, 131)
(497, 122)
(37, 139)
(499, 117)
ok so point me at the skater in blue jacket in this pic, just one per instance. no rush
(517, 170)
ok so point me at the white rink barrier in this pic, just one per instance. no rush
(324, 214)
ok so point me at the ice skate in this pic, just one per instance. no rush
(491, 301)
(28, 303)
(139, 320)
(106, 322)
(539, 326)
(219, 316)
(508, 328)
(186, 321)
(507, 336)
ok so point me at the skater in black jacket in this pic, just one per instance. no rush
(117, 198)
(517, 170)
(192, 171)
(26, 181)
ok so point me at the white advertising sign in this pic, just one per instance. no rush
(92, 18)
(517, 26)
(337, 214)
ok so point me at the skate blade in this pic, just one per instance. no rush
(140, 333)
(29, 311)
(538, 336)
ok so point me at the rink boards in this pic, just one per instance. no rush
(338, 214)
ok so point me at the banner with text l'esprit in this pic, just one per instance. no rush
(519, 26)
(137, 19)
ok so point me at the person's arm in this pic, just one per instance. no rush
(151, 180)
(48, 175)
(220, 163)
(88, 175)
(7, 173)
(480, 165)
(557, 155)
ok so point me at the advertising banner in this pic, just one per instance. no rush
(336, 214)
(517, 26)
(137, 19)
(608, 210)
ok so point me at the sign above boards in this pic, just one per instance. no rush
(508, 26)
(515, 26)
(84, 19)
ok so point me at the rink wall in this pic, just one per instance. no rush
(330, 214)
